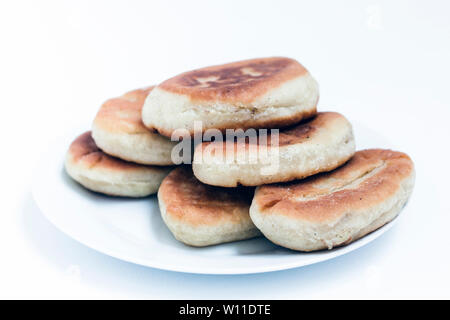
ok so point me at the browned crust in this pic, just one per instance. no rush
(123, 114)
(196, 203)
(84, 151)
(297, 134)
(236, 82)
(307, 129)
(369, 178)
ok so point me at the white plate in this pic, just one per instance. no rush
(132, 230)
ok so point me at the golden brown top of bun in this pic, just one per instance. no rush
(237, 82)
(305, 131)
(84, 151)
(369, 178)
(196, 203)
(123, 114)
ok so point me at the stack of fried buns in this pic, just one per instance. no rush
(260, 158)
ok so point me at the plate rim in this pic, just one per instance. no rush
(334, 253)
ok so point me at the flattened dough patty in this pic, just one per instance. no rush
(316, 145)
(258, 93)
(99, 172)
(201, 215)
(335, 208)
(118, 130)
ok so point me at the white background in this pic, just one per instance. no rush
(383, 64)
